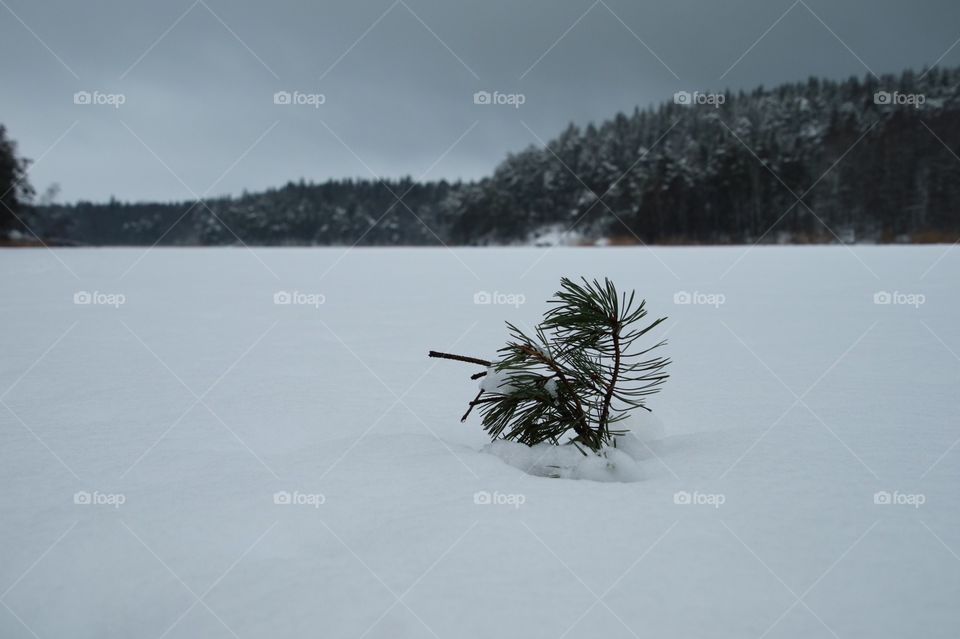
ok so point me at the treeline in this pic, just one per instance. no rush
(336, 212)
(817, 161)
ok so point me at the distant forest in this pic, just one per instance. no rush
(816, 161)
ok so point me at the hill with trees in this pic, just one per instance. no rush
(816, 161)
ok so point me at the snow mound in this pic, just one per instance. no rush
(567, 462)
(618, 463)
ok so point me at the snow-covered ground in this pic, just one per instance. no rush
(185, 412)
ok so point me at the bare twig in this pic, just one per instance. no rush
(472, 404)
(460, 358)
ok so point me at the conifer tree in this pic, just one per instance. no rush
(576, 376)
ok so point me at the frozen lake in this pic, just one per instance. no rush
(809, 386)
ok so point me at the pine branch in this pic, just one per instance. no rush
(581, 425)
(577, 374)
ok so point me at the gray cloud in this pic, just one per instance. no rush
(199, 93)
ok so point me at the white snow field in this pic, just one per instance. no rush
(806, 486)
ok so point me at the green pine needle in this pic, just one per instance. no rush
(578, 374)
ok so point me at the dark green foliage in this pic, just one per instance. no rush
(14, 188)
(578, 374)
(733, 174)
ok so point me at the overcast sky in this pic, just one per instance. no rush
(198, 79)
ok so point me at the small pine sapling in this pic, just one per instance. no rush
(576, 376)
